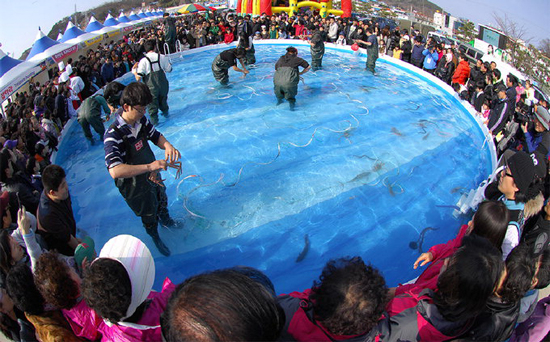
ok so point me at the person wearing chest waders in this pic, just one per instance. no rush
(228, 59)
(151, 68)
(317, 50)
(132, 163)
(287, 76)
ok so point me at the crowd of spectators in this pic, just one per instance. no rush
(478, 286)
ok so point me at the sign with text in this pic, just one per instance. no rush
(58, 57)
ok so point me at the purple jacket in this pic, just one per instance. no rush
(537, 326)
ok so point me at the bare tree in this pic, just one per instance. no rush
(544, 47)
(517, 36)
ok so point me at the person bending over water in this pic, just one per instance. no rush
(225, 60)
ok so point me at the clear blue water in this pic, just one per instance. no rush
(362, 166)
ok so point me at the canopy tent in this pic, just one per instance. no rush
(56, 52)
(71, 32)
(93, 25)
(110, 21)
(134, 17)
(41, 44)
(87, 38)
(149, 14)
(192, 8)
(59, 36)
(13, 74)
(141, 15)
(6, 63)
(122, 18)
(108, 29)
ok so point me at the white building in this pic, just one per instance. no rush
(446, 23)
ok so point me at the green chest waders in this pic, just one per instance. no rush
(159, 87)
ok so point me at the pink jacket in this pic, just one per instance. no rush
(86, 323)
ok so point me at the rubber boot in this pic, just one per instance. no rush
(292, 105)
(153, 232)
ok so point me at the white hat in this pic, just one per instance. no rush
(61, 66)
(64, 77)
(69, 69)
(137, 260)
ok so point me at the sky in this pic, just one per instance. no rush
(20, 19)
(534, 15)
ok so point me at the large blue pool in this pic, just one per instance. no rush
(362, 167)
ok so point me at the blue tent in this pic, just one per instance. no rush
(123, 19)
(134, 16)
(6, 63)
(110, 21)
(141, 15)
(149, 14)
(41, 44)
(71, 32)
(93, 25)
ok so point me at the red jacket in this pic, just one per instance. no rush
(428, 278)
(462, 73)
(228, 38)
(300, 324)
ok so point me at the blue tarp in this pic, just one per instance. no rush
(71, 32)
(93, 25)
(123, 19)
(134, 16)
(110, 21)
(41, 44)
(6, 63)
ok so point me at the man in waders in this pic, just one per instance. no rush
(89, 114)
(372, 49)
(132, 164)
(287, 76)
(152, 69)
(227, 59)
(317, 50)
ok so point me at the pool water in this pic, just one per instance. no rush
(362, 167)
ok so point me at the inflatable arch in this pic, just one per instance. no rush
(258, 7)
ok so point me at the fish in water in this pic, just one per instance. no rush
(448, 206)
(305, 250)
(418, 244)
(396, 132)
(457, 189)
(364, 156)
(360, 176)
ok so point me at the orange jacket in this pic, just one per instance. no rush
(462, 73)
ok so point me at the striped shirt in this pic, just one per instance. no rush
(115, 150)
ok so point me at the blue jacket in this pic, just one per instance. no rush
(430, 60)
(417, 52)
(108, 72)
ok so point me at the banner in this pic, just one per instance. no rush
(58, 57)
(92, 41)
(8, 90)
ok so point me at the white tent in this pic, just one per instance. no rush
(87, 37)
(15, 77)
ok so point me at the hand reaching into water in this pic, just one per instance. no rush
(423, 259)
